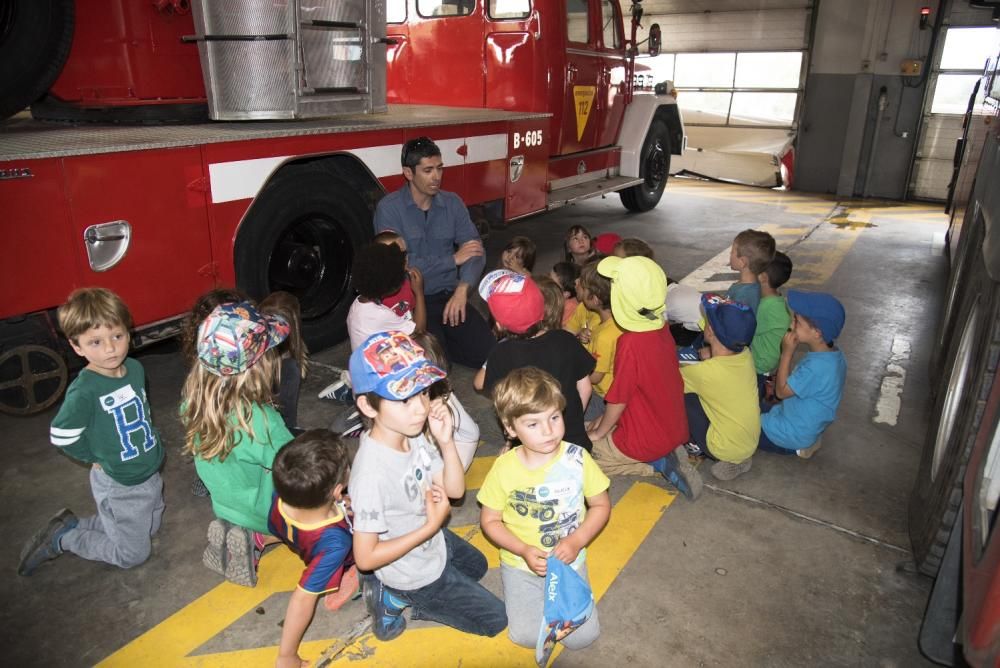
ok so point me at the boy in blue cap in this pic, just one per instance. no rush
(720, 393)
(811, 394)
(400, 486)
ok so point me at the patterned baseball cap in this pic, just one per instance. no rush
(234, 336)
(393, 366)
(734, 323)
(514, 300)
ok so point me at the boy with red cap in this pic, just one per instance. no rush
(644, 422)
(518, 307)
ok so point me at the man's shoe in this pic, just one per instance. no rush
(44, 545)
(385, 609)
(677, 471)
(806, 453)
(730, 471)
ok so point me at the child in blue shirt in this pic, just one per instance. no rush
(811, 394)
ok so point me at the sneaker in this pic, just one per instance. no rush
(806, 453)
(198, 488)
(353, 426)
(688, 355)
(260, 546)
(729, 471)
(339, 391)
(44, 545)
(240, 566)
(349, 584)
(385, 609)
(216, 555)
(694, 450)
(679, 472)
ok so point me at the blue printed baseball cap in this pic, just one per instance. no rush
(235, 335)
(734, 323)
(569, 603)
(392, 366)
(822, 308)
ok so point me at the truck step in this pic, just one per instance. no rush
(582, 191)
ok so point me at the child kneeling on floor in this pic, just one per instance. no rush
(400, 486)
(308, 514)
(234, 432)
(545, 497)
(811, 394)
(720, 397)
(104, 422)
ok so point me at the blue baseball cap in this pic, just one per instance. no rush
(569, 603)
(392, 366)
(734, 323)
(822, 308)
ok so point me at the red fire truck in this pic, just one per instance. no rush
(953, 509)
(531, 101)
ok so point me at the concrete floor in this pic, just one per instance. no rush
(793, 564)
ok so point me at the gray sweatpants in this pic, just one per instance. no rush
(524, 596)
(127, 517)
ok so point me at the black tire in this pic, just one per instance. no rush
(35, 37)
(301, 236)
(968, 373)
(654, 165)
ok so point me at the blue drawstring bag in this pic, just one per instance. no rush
(569, 603)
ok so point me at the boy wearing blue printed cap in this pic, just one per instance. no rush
(400, 486)
(720, 393)
(811, 394)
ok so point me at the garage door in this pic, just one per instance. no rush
(739, 69)
(958, 62)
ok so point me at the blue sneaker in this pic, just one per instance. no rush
(44, 545)
(688, 355)
(677, 471)
(385, 609)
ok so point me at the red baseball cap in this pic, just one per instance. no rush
(605, 243)
(514, 300)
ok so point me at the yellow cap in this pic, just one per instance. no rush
(638, 292)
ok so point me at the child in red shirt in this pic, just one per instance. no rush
(644, 424)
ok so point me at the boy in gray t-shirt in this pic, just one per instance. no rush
(400, 488)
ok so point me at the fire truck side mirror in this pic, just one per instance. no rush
(654, 39)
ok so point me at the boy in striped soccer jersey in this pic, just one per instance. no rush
(309, 515)
(104, 421)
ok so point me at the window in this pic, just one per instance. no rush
(733, 88)
(577, 21)
(395, 11)
(434, 8)
(611, 25)
(509, 9)
(963, 60)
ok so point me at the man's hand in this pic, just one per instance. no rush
(470, 249)
(438, 506)
(454, 310)
(535, 559)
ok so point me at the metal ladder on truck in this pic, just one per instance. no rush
(263, 61)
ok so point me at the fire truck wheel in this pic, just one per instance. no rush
(300, 236)
(970, 364)
(32, 378)
(654, 164)
(35, 36)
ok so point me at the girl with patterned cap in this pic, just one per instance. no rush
(234, 432)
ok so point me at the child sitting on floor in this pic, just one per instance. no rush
(519, 256)
(565, 274)
(379, 272)
(773, 319)
(294, 355)
(596, 292)
(811, 394)
(750, 254)
(309, 515)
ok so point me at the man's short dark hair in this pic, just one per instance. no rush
(416, 150)
(378, 270)
(306, 470)
(779, 271)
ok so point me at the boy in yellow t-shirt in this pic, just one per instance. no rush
(720, 393)
(583, 321)
(595, 295)
(544, 498)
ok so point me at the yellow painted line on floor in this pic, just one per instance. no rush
(477, 472)
(171, 642)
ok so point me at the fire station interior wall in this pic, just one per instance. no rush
(858, 49)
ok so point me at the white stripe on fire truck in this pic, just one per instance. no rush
(243, 179)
